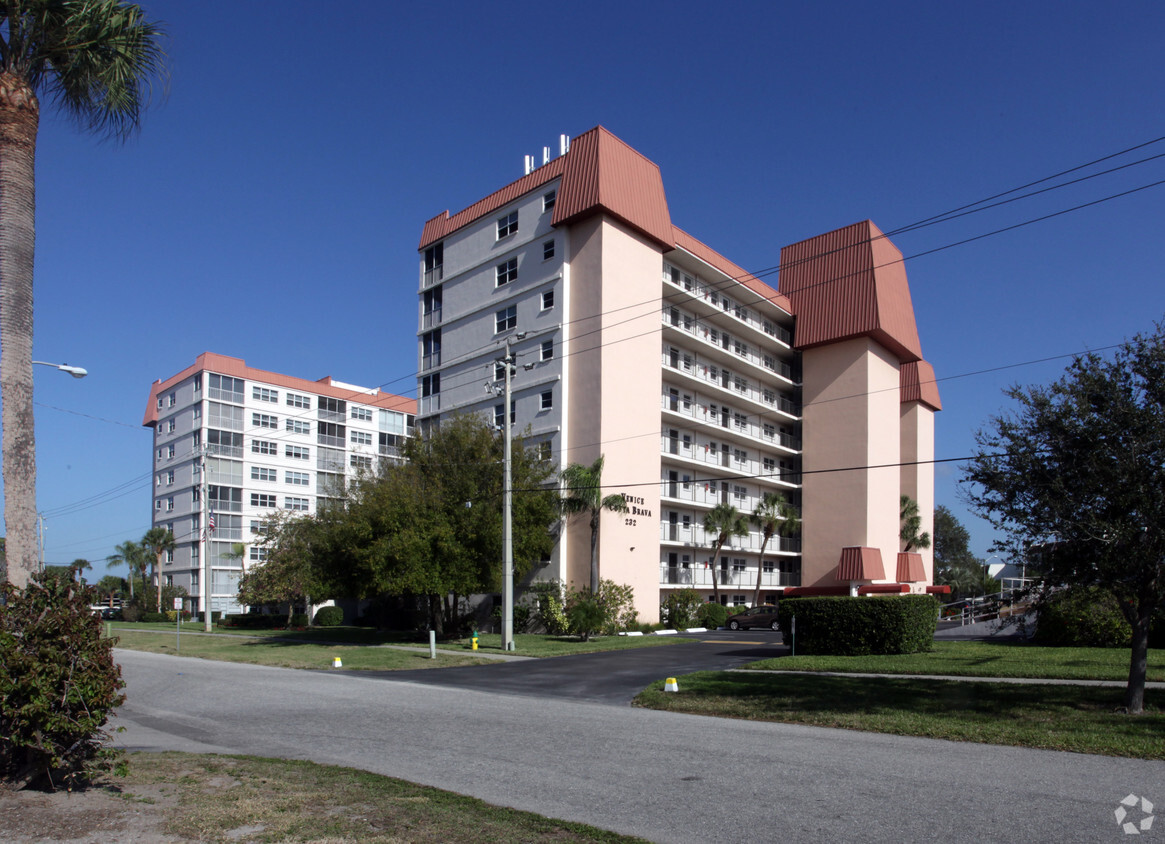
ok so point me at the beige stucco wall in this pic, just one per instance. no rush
(851, 421)
(917, 428)
(615, 382)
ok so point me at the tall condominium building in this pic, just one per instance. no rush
(699, 383)
(268, 443)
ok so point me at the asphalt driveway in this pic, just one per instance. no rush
(611, 677)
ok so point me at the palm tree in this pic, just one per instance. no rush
(773, 515)
(725, 521)
(79, 565)
(910, 522)
(584, 495)
(129, 554)
(97, 59)
(157, 542)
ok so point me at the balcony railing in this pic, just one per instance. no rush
(700, 576)
(719, 338)
(697, 288)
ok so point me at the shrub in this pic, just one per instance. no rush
(131, 612)
(857, 626)
(551, 610)
(299, 619)
(331, 616)
(523, 617)
(618, 603)
(586, 614)
(679, 609)
(154, 618)
(712, 615)
(58, 684)
(252, 621)
(1084, 617)
(172, 615)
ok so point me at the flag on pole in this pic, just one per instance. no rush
(210, 522)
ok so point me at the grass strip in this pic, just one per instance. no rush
(216, 797)
(1083, 719)
(282, 654)
(983, 659)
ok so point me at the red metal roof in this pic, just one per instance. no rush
(910, 568)
(859, 562)
(884, 589)
(916, 382)
(850, 283)
(603, 174)
(685, 241)
(237, 368)
(938, 590)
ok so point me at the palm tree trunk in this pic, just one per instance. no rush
(19, 116)
(715, 583)
(158, 578)
(760, 567)
(595, 552)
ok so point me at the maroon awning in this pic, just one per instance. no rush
(910, 568)
(860, 563)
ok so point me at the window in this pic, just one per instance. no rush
(170, 426)
(508, 225)
(544, 450)
(170, 452)
(499, 414)
(360, 462)
(169, 559)
(225, 416)
(547, 250)
(506, 319)
(547, 299)
(362, 413)
(259, 527)
(159, 402)
(170, 478)
(264, 420)
(361, 438)
(226, 388)
(547, 349)
(261, 499)
(264, 394)
(260, 474)
(198, 411)
(507, 271)
(257, 553)
(290, 503)
(430, 385)
(548, 200)
(297, 478)
(296, 400)
(299, 452)
(739, 492)
(157, 504)
(264, 447)
(299, 426)
(548, 400)
(198, 385)
(171, 400)
(170, 504)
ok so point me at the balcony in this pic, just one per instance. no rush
(699, 576)
(734, 349)
(698, 289)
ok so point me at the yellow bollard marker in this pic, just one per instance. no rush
(670, 685)
(337, 662)
(475, 643)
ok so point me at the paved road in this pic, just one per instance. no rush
(666, 777)
(614, 677)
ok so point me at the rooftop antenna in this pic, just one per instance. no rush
(529, 164)
(563, 144)
(545, 155)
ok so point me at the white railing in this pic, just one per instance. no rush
(699, 289)
(719, 338)
(700, 576)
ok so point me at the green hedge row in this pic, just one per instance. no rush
(898, 624)
(253, 621)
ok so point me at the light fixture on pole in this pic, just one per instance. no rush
(75, 371)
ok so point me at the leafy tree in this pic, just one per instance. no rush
(954, 564)
(286, 576)
(156, 542)
(583, 496)
(723, 521)
(773, 516)
(432, 526)
(130, 555)
(1073, 476)
(97, 60)
(910, 521)
(110, 586)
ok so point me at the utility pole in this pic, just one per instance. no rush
(204, 558)
(507, 518)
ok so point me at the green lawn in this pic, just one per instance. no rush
(1076, 718)
(983, 659)
(355, 645)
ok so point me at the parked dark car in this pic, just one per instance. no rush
(764, 615)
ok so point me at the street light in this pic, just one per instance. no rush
(75, 371)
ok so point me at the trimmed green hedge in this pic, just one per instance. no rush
(253, 621)
(896, 624)
(712, 615)
(330, 616)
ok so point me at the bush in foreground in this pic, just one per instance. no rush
(1082, 617)
(58, 685)
(900, 624)
(330, 616)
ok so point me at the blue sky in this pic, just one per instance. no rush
(271, 207)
